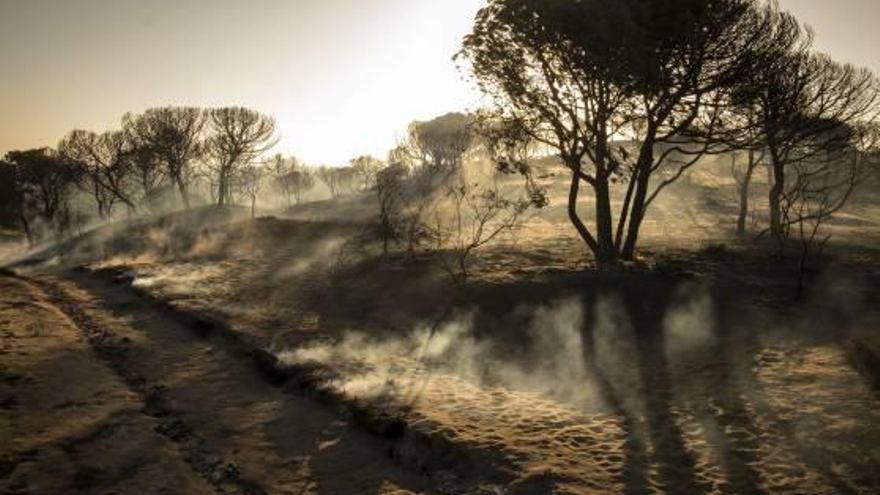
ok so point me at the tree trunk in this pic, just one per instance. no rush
(744, 196)
(26, 225)
(573, 216)
(642, 177)
(607, 253)
(776, 192)
(221, 189)
(181, 187)
(802, 270)
(253, 207)
(99, 201)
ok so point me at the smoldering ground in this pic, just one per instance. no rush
(620, 377)
(554, 349)
(680, 372)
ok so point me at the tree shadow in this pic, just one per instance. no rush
(623, 348)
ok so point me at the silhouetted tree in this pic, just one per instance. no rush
(238, 136)
(12, 201)
(106, 161)
(44, 182)
(366, 167)
(148, 173)
(292, 178)
(807, 107)
(390, 191)
(433, 153)
(575, 77)
(442, 142)
(173, 137)
(477, 213)
(251, 179)
(744, 177)
(301, 180)
(337, 179)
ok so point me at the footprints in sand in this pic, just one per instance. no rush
(793, 423)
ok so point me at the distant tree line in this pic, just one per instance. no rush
(157, 151)
(157, 158)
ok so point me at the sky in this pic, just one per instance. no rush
(341, 77)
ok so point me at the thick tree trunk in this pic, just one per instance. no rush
(637, 214)
(605, 237)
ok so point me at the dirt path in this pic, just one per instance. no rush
(151, 407)
(68, 423)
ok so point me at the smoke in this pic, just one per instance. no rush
(565, 351)
(11, 246)
(689, 325)
(322, 252)
(550, 362)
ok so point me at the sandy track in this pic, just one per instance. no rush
(68, 423)
(167, 411)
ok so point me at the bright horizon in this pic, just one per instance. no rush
(341, 77)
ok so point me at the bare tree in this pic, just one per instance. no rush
(337, 179)
(476, 214)
(366, 167)
(148, 172)
(173, 137)
(107, 164)
(811, 210)
(280, 168)
(743, 177)
(822, 186)
(576, 76)
(301, 180)
(807, 107)
(251, 179)
(330, 178)
(238, 136)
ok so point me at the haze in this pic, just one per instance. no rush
(342, 77)
(297, 246)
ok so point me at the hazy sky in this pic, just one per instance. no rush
(342, 77)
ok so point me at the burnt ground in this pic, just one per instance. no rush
(697, 369)
(101, 393)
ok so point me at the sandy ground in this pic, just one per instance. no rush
(160, 411)
(705, 395)
(69, 424)
(698, 375)
(774, 414)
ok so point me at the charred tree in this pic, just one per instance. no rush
(577, 76)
